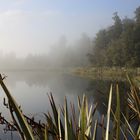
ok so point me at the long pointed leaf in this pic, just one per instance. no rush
(108, 114)
(117, 114)
(23, 123)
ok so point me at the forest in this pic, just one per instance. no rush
(119, 44)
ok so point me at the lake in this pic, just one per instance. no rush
(30, 89)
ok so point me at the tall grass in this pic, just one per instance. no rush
(64, 124)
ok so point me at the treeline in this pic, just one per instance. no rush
(119, 44)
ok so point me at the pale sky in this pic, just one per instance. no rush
(31, 26)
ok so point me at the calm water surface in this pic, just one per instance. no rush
(30, 91)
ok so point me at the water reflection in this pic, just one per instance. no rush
(27, 85)
(99, 89)
(30, 90)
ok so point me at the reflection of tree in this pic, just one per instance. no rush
(57, 81)
(64, 84)
(99, 89)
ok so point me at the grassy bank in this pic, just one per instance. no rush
(106, 72)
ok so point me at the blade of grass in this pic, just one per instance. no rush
(55, 115)
(138, 132)
(108, 114)
(102, 127)
(117, 114)
(69, 133)
(59, 125)
(135, 95)
(16, 123)
(23, 123)
(46, 133)
(95, 130)
(89, 122)
(83, 119)
(130, 128)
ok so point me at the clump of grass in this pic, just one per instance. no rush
(66, 125)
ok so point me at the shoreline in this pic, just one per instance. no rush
(107, 73)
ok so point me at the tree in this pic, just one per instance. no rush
(115, 30)
(119, 44)
(137, 15)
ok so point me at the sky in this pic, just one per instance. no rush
(33, 26)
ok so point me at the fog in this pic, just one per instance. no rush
(41, 34)
(61, 54)
(29, 30)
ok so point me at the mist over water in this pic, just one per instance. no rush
(61, 54)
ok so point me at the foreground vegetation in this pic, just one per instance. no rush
(80, 125)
